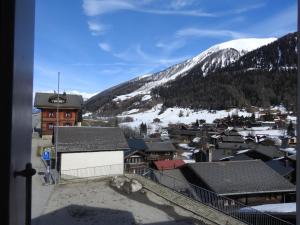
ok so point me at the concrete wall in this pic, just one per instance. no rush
(91, 164)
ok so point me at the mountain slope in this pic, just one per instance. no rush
(263, 77)
(136, 92)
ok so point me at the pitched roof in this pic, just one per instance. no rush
(240, 157)
(160, 147)
(231, 132)
(220, 154)
(238, 139)
(232, 145)
(269, 151)
(85, 139)
(174, 179)
(168, 164)
(280, 167)
(136, 144)
(130, 152)
(240, 177)
(293, 157)
(44, 100)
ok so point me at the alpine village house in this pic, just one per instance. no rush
(69, 110)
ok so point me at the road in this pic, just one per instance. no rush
(40, 191)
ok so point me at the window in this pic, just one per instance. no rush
(51, 114)
(50, 126)
(67, 115)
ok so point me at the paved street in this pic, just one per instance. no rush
(40, 191)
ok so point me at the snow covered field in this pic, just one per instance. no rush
(172, 116)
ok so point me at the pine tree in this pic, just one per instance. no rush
(197, 123)
(290, 129)
(116, 122)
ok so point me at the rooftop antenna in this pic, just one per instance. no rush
(57, 124)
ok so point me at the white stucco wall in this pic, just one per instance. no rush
(90, 164)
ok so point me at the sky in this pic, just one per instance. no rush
(96, 44)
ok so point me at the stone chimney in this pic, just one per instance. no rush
(209, 154)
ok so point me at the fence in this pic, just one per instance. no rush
(89, 172)
(225, 205)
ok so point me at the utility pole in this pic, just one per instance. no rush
(57, 125)
(298, 123)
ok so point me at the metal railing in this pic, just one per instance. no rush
(92, 172)
(223, 204)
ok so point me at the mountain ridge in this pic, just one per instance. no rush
(132, 91)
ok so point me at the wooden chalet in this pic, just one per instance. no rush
(135, 159)
(69, 110)
(159, 151)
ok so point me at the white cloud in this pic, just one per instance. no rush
(100, 7)
(279, 24)
(243, 9)
(137, 54)
(178, 4)
(94, 7)
(97, 28)
(105, 46)
(197, 32)
(171, 45)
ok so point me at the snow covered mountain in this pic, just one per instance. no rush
(139, 89)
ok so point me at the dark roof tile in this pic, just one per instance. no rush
(160, 147)
(84, 139)
(42, 100)
(240, 177)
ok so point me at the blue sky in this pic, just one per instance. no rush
(96, 44)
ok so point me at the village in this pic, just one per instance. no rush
(236, 163)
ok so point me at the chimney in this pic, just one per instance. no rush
(209, 154)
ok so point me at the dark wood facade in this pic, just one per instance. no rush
(69, 110)
(67, 117)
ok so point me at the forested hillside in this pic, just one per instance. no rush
(264, 77)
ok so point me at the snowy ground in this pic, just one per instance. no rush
(274, 208)
(188, 152)
(171, 116)
(260, 131)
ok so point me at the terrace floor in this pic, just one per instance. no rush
(95, 202)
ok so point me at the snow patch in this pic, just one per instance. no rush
(146, 97)
(273, 208)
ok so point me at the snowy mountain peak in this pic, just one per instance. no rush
(244, 44)
(216, 57)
